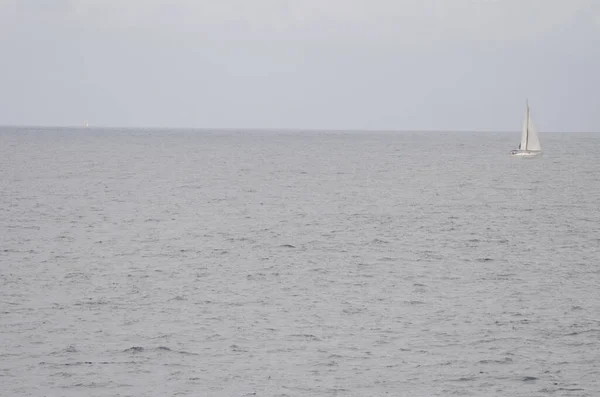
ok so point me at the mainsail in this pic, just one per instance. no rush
(529, 138)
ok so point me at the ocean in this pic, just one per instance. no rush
(297, 263)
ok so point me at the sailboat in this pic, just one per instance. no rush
(530, 143)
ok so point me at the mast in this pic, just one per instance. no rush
(527, 129)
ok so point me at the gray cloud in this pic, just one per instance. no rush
(384, 64)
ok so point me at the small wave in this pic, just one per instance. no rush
(306, 337)
(529, 379)
(134, 349)
(353, 310)
(504, 361)
(387, 259)
(140, 349)
(164, 348)
(92, 385)
(465, 379)
(91, 301)
(68, 349)
(77, 363)
(414, 302)
(76, 274)
(331, 363)
(583, 332)
(237, 349)
(167, 349)
(379, 241)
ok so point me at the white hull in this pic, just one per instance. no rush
(525, 153)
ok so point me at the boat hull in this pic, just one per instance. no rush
(525, 153)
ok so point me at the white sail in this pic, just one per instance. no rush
(529, 138)
(523, 145)
(533, 142)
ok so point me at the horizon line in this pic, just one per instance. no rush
(275, 129)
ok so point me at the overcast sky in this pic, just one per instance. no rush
(324, 64)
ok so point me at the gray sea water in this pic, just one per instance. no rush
(230, 263)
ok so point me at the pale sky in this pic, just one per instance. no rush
(318, 64)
